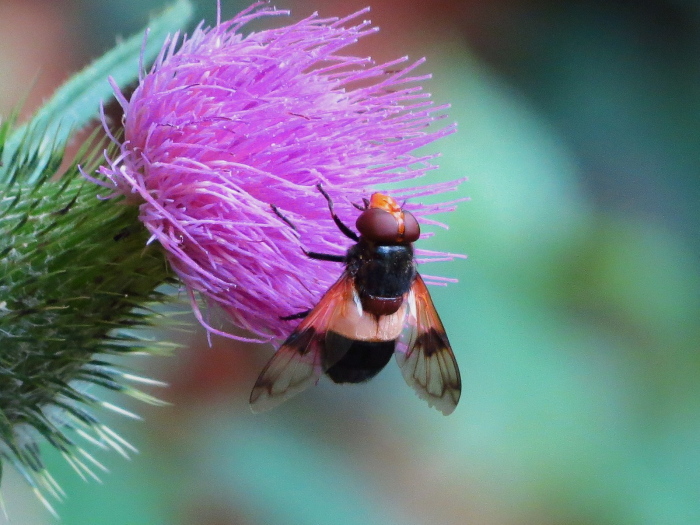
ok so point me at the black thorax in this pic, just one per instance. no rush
(381, 270)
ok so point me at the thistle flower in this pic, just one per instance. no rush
(226, 126)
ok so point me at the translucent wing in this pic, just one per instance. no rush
(298, 363)
(424, 353)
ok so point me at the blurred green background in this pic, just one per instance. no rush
(575, 320)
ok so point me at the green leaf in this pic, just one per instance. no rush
(78, 101)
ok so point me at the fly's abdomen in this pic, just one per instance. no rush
(358, 361)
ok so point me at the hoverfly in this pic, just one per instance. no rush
(379, 306)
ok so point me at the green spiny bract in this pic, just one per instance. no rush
(76, 278)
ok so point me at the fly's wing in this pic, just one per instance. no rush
(424, 353)
(298, 363)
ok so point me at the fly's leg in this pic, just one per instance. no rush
(298, 315)
(340, 224)
(312, 255)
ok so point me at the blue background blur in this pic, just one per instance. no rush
(575, 320)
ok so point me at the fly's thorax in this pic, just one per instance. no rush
(382, 271)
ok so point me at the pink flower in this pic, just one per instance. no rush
(226, 125)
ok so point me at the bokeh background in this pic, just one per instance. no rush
(575, 320)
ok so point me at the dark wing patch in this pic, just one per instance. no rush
(298, 363)
(424, 353)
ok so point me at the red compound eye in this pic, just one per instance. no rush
(382, 226)
(377, 225)
(411, 227)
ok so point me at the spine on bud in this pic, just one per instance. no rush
(74, 275)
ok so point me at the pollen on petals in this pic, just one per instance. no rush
(228, 124)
